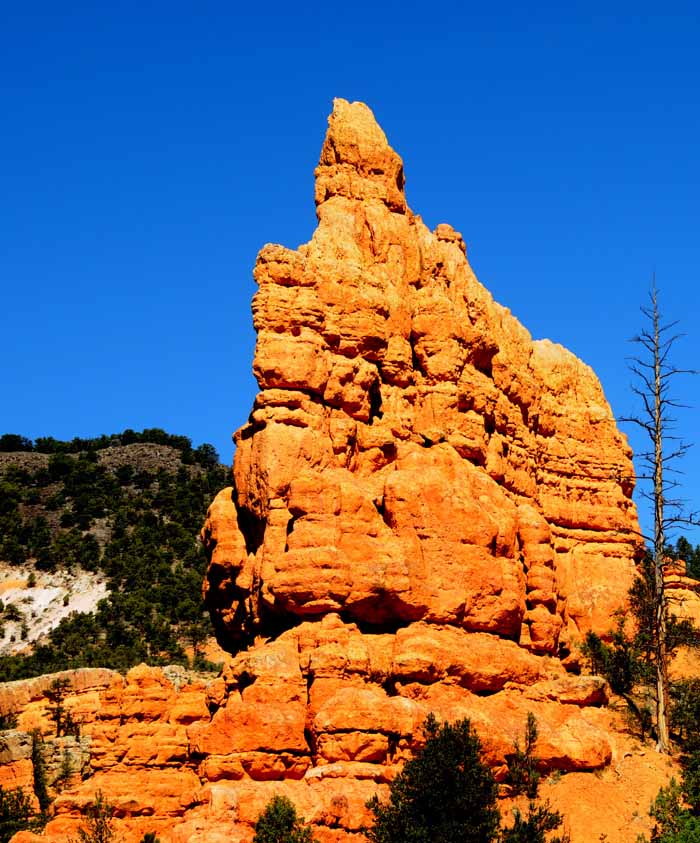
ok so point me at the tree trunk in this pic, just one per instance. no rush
(659, 546)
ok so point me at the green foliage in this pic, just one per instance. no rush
(673, 822)
(279, 823)
(98, 826)
(534, 827)
(628, 660)
(147, 550)
(522, 764)
(643, 609)
(149, 837)
(65, 771)
(444, 794)
(676, 809)
(11, 613)
(685, 713)
(8, 720)
(15, 813)
(39, 769)
(14, 442)
(524, 778)
(56, 694)
(205, 455)
(688, 554)
(618, 661)
(691, 781)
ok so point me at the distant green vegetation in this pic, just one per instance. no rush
(204, 455)
(137, 525)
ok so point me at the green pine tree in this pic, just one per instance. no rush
(444, 794)
(279, 823)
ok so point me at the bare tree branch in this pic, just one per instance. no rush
(655, 375)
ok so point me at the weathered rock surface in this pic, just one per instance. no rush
(429, 510)
(413, 454)
(324, 714)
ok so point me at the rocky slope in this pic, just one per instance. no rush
(430, 510)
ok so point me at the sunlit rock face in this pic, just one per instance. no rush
(429, 509)
(412, 455)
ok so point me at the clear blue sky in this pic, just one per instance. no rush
(149, 149)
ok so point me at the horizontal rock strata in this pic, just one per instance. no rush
(324, 714)
(412, 455)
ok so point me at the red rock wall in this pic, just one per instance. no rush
(324, 714)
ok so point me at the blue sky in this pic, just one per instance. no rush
(149, 150)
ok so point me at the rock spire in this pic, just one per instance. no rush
(412, 455)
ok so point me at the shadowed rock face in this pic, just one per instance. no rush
(412, 453)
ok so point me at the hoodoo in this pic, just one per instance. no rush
(430, 509)
(412, 455)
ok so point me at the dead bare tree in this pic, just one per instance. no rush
(655, 373)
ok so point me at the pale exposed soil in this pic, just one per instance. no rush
(44, 605)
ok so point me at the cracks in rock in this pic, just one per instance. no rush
(379, 626)
(381, 509)
(484, 364)
(310, 738)
(245, 680)
(275, 622)
(389, 686)
(243, 622)
(290, 530)
(212, 708)
(375, 401)
(309, 734)
(252, 528)
(393, 739)
(483, 692)
(389, 452)
(310, 676)
(417, 366)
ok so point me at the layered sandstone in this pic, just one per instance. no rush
(324, 714)
(412, 455)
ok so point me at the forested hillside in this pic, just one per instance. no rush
(127, 507)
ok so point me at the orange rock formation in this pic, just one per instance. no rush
(430, 509)
(412, 454)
